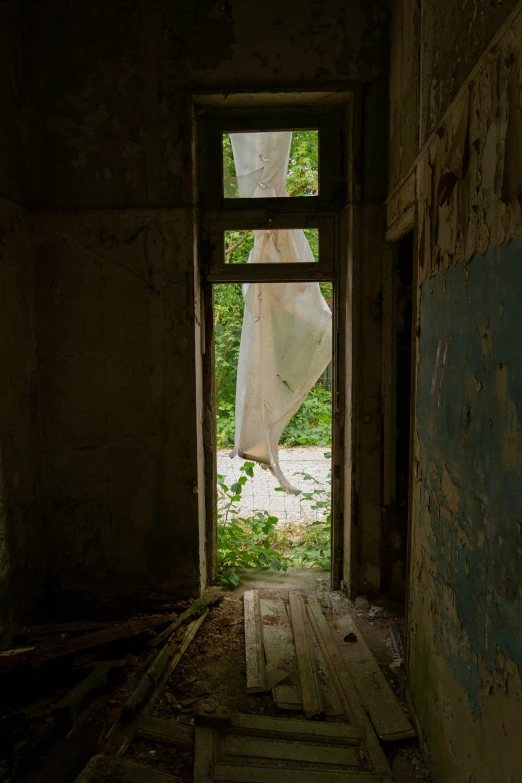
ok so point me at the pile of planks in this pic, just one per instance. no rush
(80, 668)
(319, 673)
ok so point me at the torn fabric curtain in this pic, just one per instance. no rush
(286, 340)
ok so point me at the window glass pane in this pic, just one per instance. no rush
(271, 164)
(272, 246)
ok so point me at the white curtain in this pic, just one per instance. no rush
(286, 340)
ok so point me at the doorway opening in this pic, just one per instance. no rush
(398, 527)
(273, 187)
(277, 515)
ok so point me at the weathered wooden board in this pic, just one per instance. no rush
(348, 693)
(280, 652)
(388, 717)
(254, 652)
(332, 703)
(252, 749)
(306, 661)
(167, 731)
(103, 768)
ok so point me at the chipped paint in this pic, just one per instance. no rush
(465, 612)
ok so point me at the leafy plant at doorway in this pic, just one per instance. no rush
(261, 540)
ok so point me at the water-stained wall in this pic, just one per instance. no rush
(465, 595)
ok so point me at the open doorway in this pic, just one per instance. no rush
(260, 521)
(273, 191)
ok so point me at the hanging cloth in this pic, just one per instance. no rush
(286, 338)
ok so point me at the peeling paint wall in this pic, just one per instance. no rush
(453, 37)
(109, 158)
(465, 601)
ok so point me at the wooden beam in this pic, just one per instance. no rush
(388, 717)
(308, 678)
(209, 597)
(280, 652)
(102, 768)
(350, 699)
(254, 651)
(164, 731)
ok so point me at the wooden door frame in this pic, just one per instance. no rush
(331, 214)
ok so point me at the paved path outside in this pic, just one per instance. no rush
(259, 493)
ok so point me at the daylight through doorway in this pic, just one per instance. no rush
(260, 523)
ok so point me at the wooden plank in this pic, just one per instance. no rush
(159, 671)
(70, 753)
(233, 774)
(204, 754)
(102, 768)
(121, 734)
(331, 700)
(164, 731)
(346, 689)
(190, 634)
(254, 652)
(280, 749)
(310, 729)
(308, 678)
(209, 597)
(386, 713)
(118, 632)
(72, 703)
(73, 627)
(280, 652)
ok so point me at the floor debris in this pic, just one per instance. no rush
(189, 692)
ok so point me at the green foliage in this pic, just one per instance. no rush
(312, 424)
(244, 543)
(260, 541)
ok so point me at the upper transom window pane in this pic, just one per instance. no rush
(269, 164)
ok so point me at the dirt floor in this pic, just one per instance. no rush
(210, 680)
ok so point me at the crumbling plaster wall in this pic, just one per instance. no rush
(465, 601)
(110, 174)
(22, 570)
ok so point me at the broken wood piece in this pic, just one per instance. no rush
(273, 677)
(308, 677)
(68, 708)
(348, 693)
(167, 731)
(209, 597)
(70, 753)
(159, 672)
(130, 629)
(252, 749)
(254, 651)
(73, 627)
(102, 768)
(386, 713)
(280, 652)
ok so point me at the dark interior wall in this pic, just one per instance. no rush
(21, 536)
(465, 604)
(453, 37)
(109, 158)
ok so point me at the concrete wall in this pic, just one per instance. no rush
(465, 600)
(109, 158)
